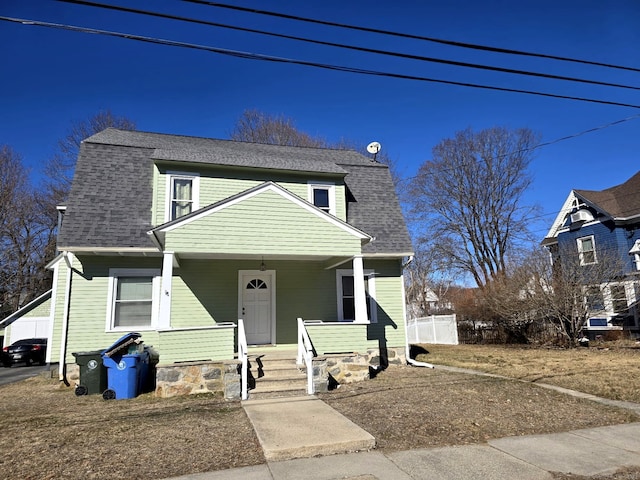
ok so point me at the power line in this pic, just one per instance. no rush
(270, 58)
(539, 145)
(414, 37)
(350, 47)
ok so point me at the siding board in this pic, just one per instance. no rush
(284, 228)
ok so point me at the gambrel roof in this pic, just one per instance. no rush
(110, 202)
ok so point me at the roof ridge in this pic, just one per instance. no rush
(225, 140)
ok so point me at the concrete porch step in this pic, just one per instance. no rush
(276, 370)
(276, 374)
(264, 392)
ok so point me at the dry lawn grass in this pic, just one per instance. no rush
(610, 370)
(48, 432)
(408, 407)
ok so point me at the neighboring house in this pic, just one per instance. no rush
(598, 226)
(178, 238)
(31, 321)
(422, 302)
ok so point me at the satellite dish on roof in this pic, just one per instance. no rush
(373, 148)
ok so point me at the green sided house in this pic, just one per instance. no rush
(224, 254)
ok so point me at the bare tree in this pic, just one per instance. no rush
(428, 284)
(59, 169)
(572, 292)
(259, 127)
(564, 293)
(24, 238)
(513, 301)
(13, 179)
(469, 199)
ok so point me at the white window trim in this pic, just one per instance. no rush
(635, 251)
(114, 273)
(195, 185)
(371, 288)
(330, 187)
(581, 252)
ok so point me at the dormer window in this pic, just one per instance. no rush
(323, 196)
(182, 194)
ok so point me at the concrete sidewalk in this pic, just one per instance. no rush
(586, 452)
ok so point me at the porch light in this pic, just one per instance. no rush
(263, 267)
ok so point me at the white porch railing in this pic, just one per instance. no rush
(243, 357)
(305, 354)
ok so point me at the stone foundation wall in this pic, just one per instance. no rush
(221, 378)
(73, 373)
(357, 367)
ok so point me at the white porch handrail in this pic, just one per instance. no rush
(243, 357)
(305, 353)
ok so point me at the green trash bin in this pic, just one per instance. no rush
(93, 373)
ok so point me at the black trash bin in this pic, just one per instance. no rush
(93, 374)
(149, 382)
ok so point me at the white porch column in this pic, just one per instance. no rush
(359, 295)
(164, 315)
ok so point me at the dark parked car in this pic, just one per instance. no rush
(27, 350)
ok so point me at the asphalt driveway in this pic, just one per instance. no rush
(20, 372)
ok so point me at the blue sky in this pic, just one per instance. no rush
(52, 77)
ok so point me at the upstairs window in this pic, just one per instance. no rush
(183, 191)
(323, 196)
(587, 250)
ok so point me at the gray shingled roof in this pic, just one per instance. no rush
(621, 201)
(111, 197)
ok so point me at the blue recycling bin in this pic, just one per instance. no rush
(127, 368)
(126, 375)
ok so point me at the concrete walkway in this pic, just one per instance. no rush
(301, 427)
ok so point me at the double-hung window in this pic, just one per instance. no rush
(346, 295)
(182, 194)
(587, 250)
(323, 196)
(594, 298)
(618, 298)
(133, 299)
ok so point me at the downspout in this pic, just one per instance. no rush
(62, 368)
(407, 352)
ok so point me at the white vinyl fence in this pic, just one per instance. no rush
(433, 329)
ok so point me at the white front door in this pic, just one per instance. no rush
(256, 308)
